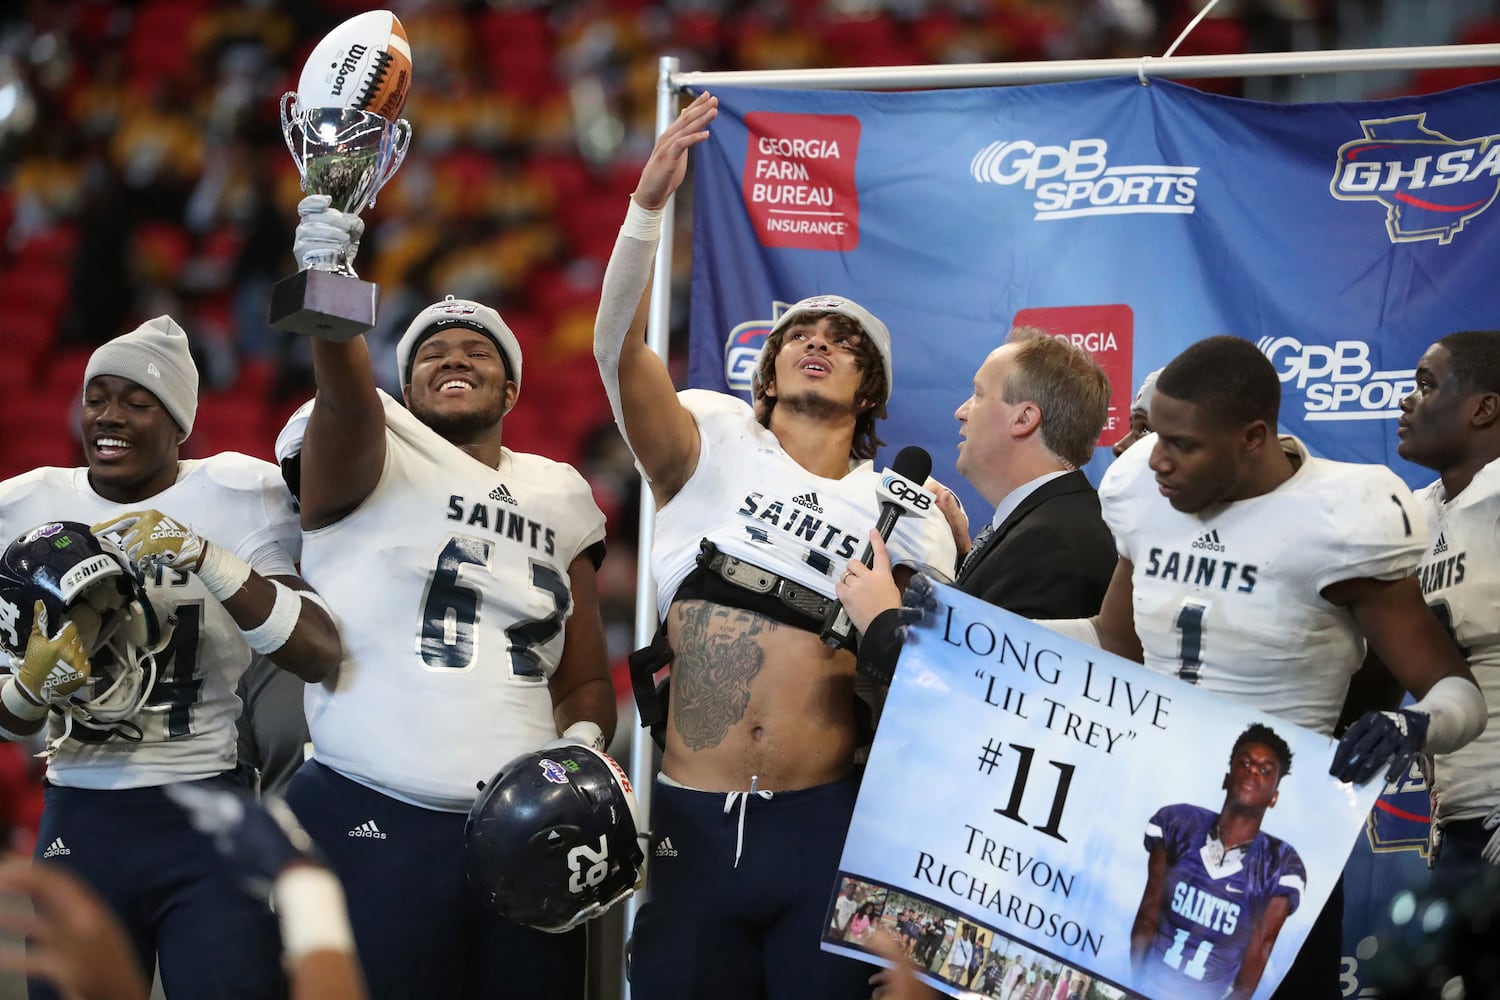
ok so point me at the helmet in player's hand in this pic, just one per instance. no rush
(80, 578)
(554, 838)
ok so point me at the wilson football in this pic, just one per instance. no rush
(362, 65)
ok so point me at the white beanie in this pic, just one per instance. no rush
(154, 356)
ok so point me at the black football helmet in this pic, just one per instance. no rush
(84, 579)
(554, 838)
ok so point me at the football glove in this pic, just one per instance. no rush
(918, 600)
(325, 236)
(881, 644)
(151, 539)
(1491, 852)
(1377, 739)
(580, 734)
(53, 667)
(259, 839)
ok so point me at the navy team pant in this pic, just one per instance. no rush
(170, 888)
(419, 929)
(716, 931)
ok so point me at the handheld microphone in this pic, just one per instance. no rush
(900, 493)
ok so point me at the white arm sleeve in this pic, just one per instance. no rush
(1079, 629)
(625, 281)
(1456, 714)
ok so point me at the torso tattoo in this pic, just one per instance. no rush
(717, 657)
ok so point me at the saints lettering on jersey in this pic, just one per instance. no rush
(506, 524)
(1201, 571)
(460, 574)
(826, 542)
(1460, 576)
(1232, 598)
(752, 500)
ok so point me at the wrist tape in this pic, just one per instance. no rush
(586, 732)
(271, 634)
(1455, 712)
(309, 906)
(222, 572)
(642, 224)
(20, 702)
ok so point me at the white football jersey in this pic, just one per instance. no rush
(753, 500)
(1231, 598)
(187, 724)
(450, 585)
(1461, 580)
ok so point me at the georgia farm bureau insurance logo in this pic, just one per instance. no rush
(1430, 185)
(1076, 180)
(1337, 381)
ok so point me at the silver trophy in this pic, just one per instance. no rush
(349, 156)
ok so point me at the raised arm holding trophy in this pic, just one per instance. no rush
(343, 132)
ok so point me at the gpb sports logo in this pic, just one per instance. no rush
(1338, 382)
(742, 349)
(1430, 185)
(1076, 180)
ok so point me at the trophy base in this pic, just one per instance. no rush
(324, 305)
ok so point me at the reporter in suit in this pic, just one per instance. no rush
(1038, 406)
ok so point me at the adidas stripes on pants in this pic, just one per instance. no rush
(171, 889)
(419, 928)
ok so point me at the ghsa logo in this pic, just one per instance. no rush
(1430, 185)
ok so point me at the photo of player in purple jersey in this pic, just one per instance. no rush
(1218, 888)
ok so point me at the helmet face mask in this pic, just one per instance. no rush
(80, 578)
(554, 839)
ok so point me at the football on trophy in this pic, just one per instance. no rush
(362, 65)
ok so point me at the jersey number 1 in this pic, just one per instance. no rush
(450, 610)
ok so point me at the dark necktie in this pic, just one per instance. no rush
(980, 539)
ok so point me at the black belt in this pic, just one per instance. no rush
(761, 581)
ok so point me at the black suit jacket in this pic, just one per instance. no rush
(1051, 558)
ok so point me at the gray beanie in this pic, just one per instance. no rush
(154, 356)
(879, 335)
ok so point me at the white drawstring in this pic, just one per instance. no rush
(741, 798)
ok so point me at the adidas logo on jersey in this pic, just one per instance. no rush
(56, 849)
(664, 849)
(367, 829)
(810, 501)
(1441, 546)
(502, 494)
(1209, 540)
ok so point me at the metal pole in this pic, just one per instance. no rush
(1179, 67)
(658, 330)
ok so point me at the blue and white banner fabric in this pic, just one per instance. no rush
(1037, 809)
(1341, 238)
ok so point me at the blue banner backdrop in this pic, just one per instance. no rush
(1341, 238)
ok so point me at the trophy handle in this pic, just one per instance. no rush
(399, 137)
(291, 110)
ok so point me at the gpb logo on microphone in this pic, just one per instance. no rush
(1338, 381)
(900, 490)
